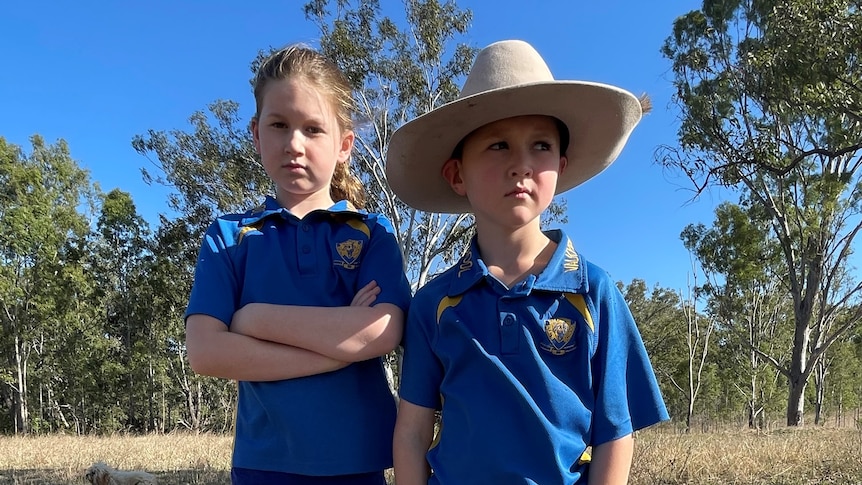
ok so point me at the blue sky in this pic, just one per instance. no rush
(98, 73)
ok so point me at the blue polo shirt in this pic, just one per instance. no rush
(526, 377)
(329, 424)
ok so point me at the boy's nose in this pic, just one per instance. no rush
(521, 169)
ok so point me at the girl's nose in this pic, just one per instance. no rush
(294, 142)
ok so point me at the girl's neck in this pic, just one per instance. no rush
(512, 256)
(300, 205)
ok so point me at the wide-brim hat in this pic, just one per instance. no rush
(509, 78)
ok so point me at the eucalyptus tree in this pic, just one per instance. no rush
(678, 340)
(656, 311)
(186, 400)
(697, 330)
(837, 393)
(121, 249)
(40, 265)
(212, 168)
(770, 94)
(747, 297)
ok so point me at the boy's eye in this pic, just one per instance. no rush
(500, 145)
(278, 124)
(543, 146)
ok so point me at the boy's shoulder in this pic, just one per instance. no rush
(440, 285)
(598, 282)
(441, 281)
(595, 274)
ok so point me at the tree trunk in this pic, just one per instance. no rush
(752, 398)
(798, 372)
(820, 388)
(796, 402)
(151, 417)
(19, 394)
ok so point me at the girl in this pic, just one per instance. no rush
(299, 298)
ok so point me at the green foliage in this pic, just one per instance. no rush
(770, 93)
(91, 333)
(213, 168)
(41, 232)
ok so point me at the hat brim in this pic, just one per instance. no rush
(599, 117)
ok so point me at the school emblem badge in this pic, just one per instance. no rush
(559, 332)
(349, 252)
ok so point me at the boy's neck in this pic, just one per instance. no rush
(512, 256)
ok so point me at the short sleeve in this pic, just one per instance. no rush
(215, 291)
(421, 370)
(384, 264)
(627, 393)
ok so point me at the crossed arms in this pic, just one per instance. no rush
(267, 342)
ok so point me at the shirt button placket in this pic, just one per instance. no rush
(509, 335)
(305, 244)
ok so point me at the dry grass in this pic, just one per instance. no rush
(173, 458)
(783, 457)
(662, 457)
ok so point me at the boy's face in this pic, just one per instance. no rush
(509, 169)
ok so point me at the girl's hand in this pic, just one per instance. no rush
(366, 295)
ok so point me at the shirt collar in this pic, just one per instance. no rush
(565, 272)
(271, 207)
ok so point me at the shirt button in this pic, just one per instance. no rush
(306, 250)
(509, 320)
(305, 228)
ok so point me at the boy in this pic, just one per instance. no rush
(528, 350)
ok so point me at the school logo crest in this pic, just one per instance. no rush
(349, 252)
(560, 332)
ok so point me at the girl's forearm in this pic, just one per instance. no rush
(214, 351)
(349, 333)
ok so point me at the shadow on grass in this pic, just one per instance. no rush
(60, 477)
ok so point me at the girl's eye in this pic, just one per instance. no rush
(314, 129)
(278, 124)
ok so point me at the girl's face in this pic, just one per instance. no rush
(509, 170)
(300, 142)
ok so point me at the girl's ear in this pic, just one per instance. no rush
(564, 162)
(347, 140)
(451, 171)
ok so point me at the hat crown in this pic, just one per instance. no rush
(505, 64)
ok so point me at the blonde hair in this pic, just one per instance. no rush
(303, 62)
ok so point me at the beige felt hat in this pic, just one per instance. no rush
(509, 78)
